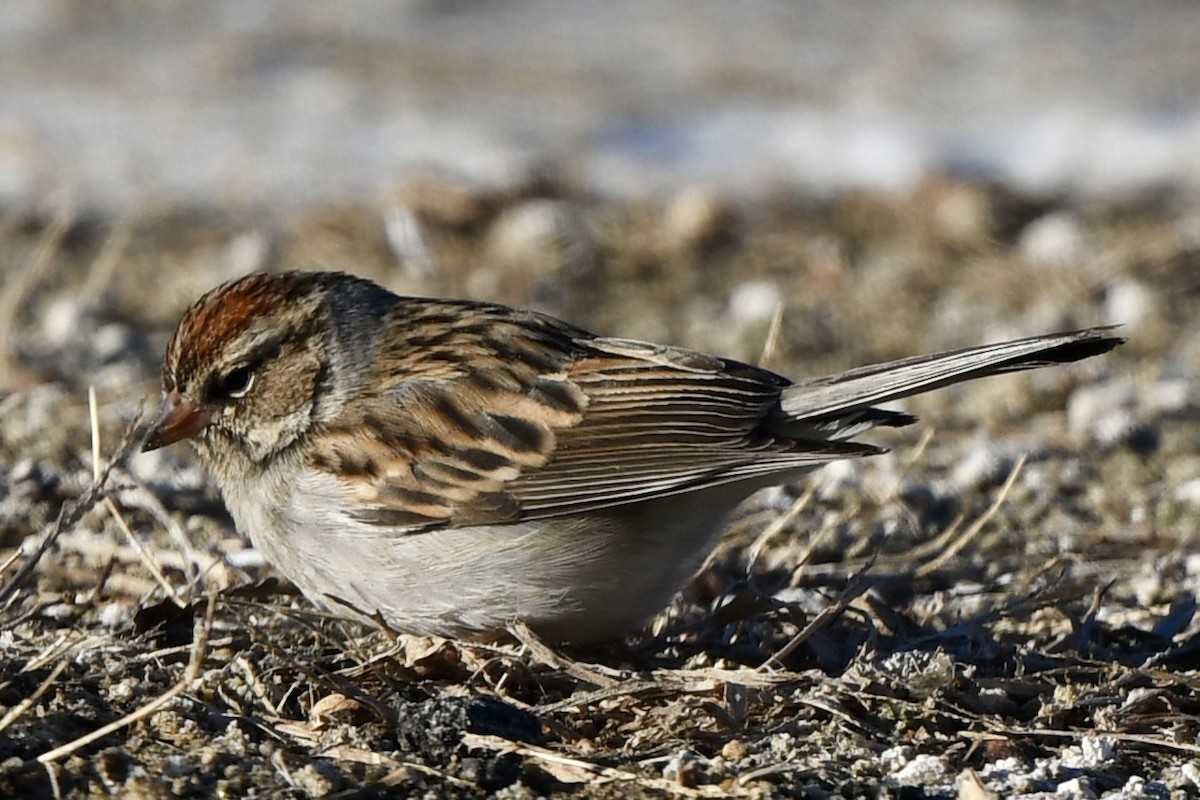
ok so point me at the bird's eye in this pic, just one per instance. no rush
(234, 383)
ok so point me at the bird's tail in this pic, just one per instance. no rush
(843, 402)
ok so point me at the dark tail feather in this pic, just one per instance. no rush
(878, 383)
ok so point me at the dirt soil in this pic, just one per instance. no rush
(1003, 605)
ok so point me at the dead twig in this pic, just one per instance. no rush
(973, 530)
(70, 513)
(856, 587)
(20, 708)
(111, 507)
(575, 770)
(539, 650)
(199, 650)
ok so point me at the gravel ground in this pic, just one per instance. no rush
(1004, 605)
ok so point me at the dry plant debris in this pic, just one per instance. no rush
(1003, 606)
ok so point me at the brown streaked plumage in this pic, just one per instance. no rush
(453, 465)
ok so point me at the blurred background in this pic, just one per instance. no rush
(300, 101)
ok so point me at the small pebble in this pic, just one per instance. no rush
(837, 477)
(1097, 751)
(1189, 492)
(1129, 303)
(923, 770)
(541, 235)
(114, 615)
(1123, 428)
(1172, 396)
(682, 769)
(247, 252)
(754, 302)
(1138, 788)
(177, 766)
(317, 780)
(112, 341)
(896, 757)
(60, 321)
(734, 750)
(986, 463)
(1076, 789)
(694, 218)
(1053, 240)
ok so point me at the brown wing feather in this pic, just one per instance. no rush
(543, 420)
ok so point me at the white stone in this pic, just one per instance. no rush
(1090, 404)
(1128, 303)
(1053, 240)
(1098, 751)
(1189, 492)
(922, 770)
(754, 302)
(1076, 789)
(114, 615)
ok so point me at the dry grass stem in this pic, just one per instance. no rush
(201, 632)
(975, 527)
(146, 557)
(771, 342)
(20, 708)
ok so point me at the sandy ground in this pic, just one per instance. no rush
(1004, 604)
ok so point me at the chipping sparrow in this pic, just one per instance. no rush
(451, 466)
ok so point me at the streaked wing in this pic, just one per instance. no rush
(661, 421)
(602, 423)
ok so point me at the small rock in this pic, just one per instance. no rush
(754, 302)
(1053, 240)
(1088, 404)
(1138, 788)
(839, 476)
(682, 769)
(896, 758)
(1172, 396)
(694, 219)
(177, 766)
(1123, 428)
(60, 321)
(1189, 492)
(1105, 414)
(1129, 303)
(114, 615)
(248, 252)
(734, 750)
(1076, 789)
(317, 780)
(111, 342)
(246, 559)
(986, 463)
(545, 236)
(923, 770)
(1097, 751)
(924, 673)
